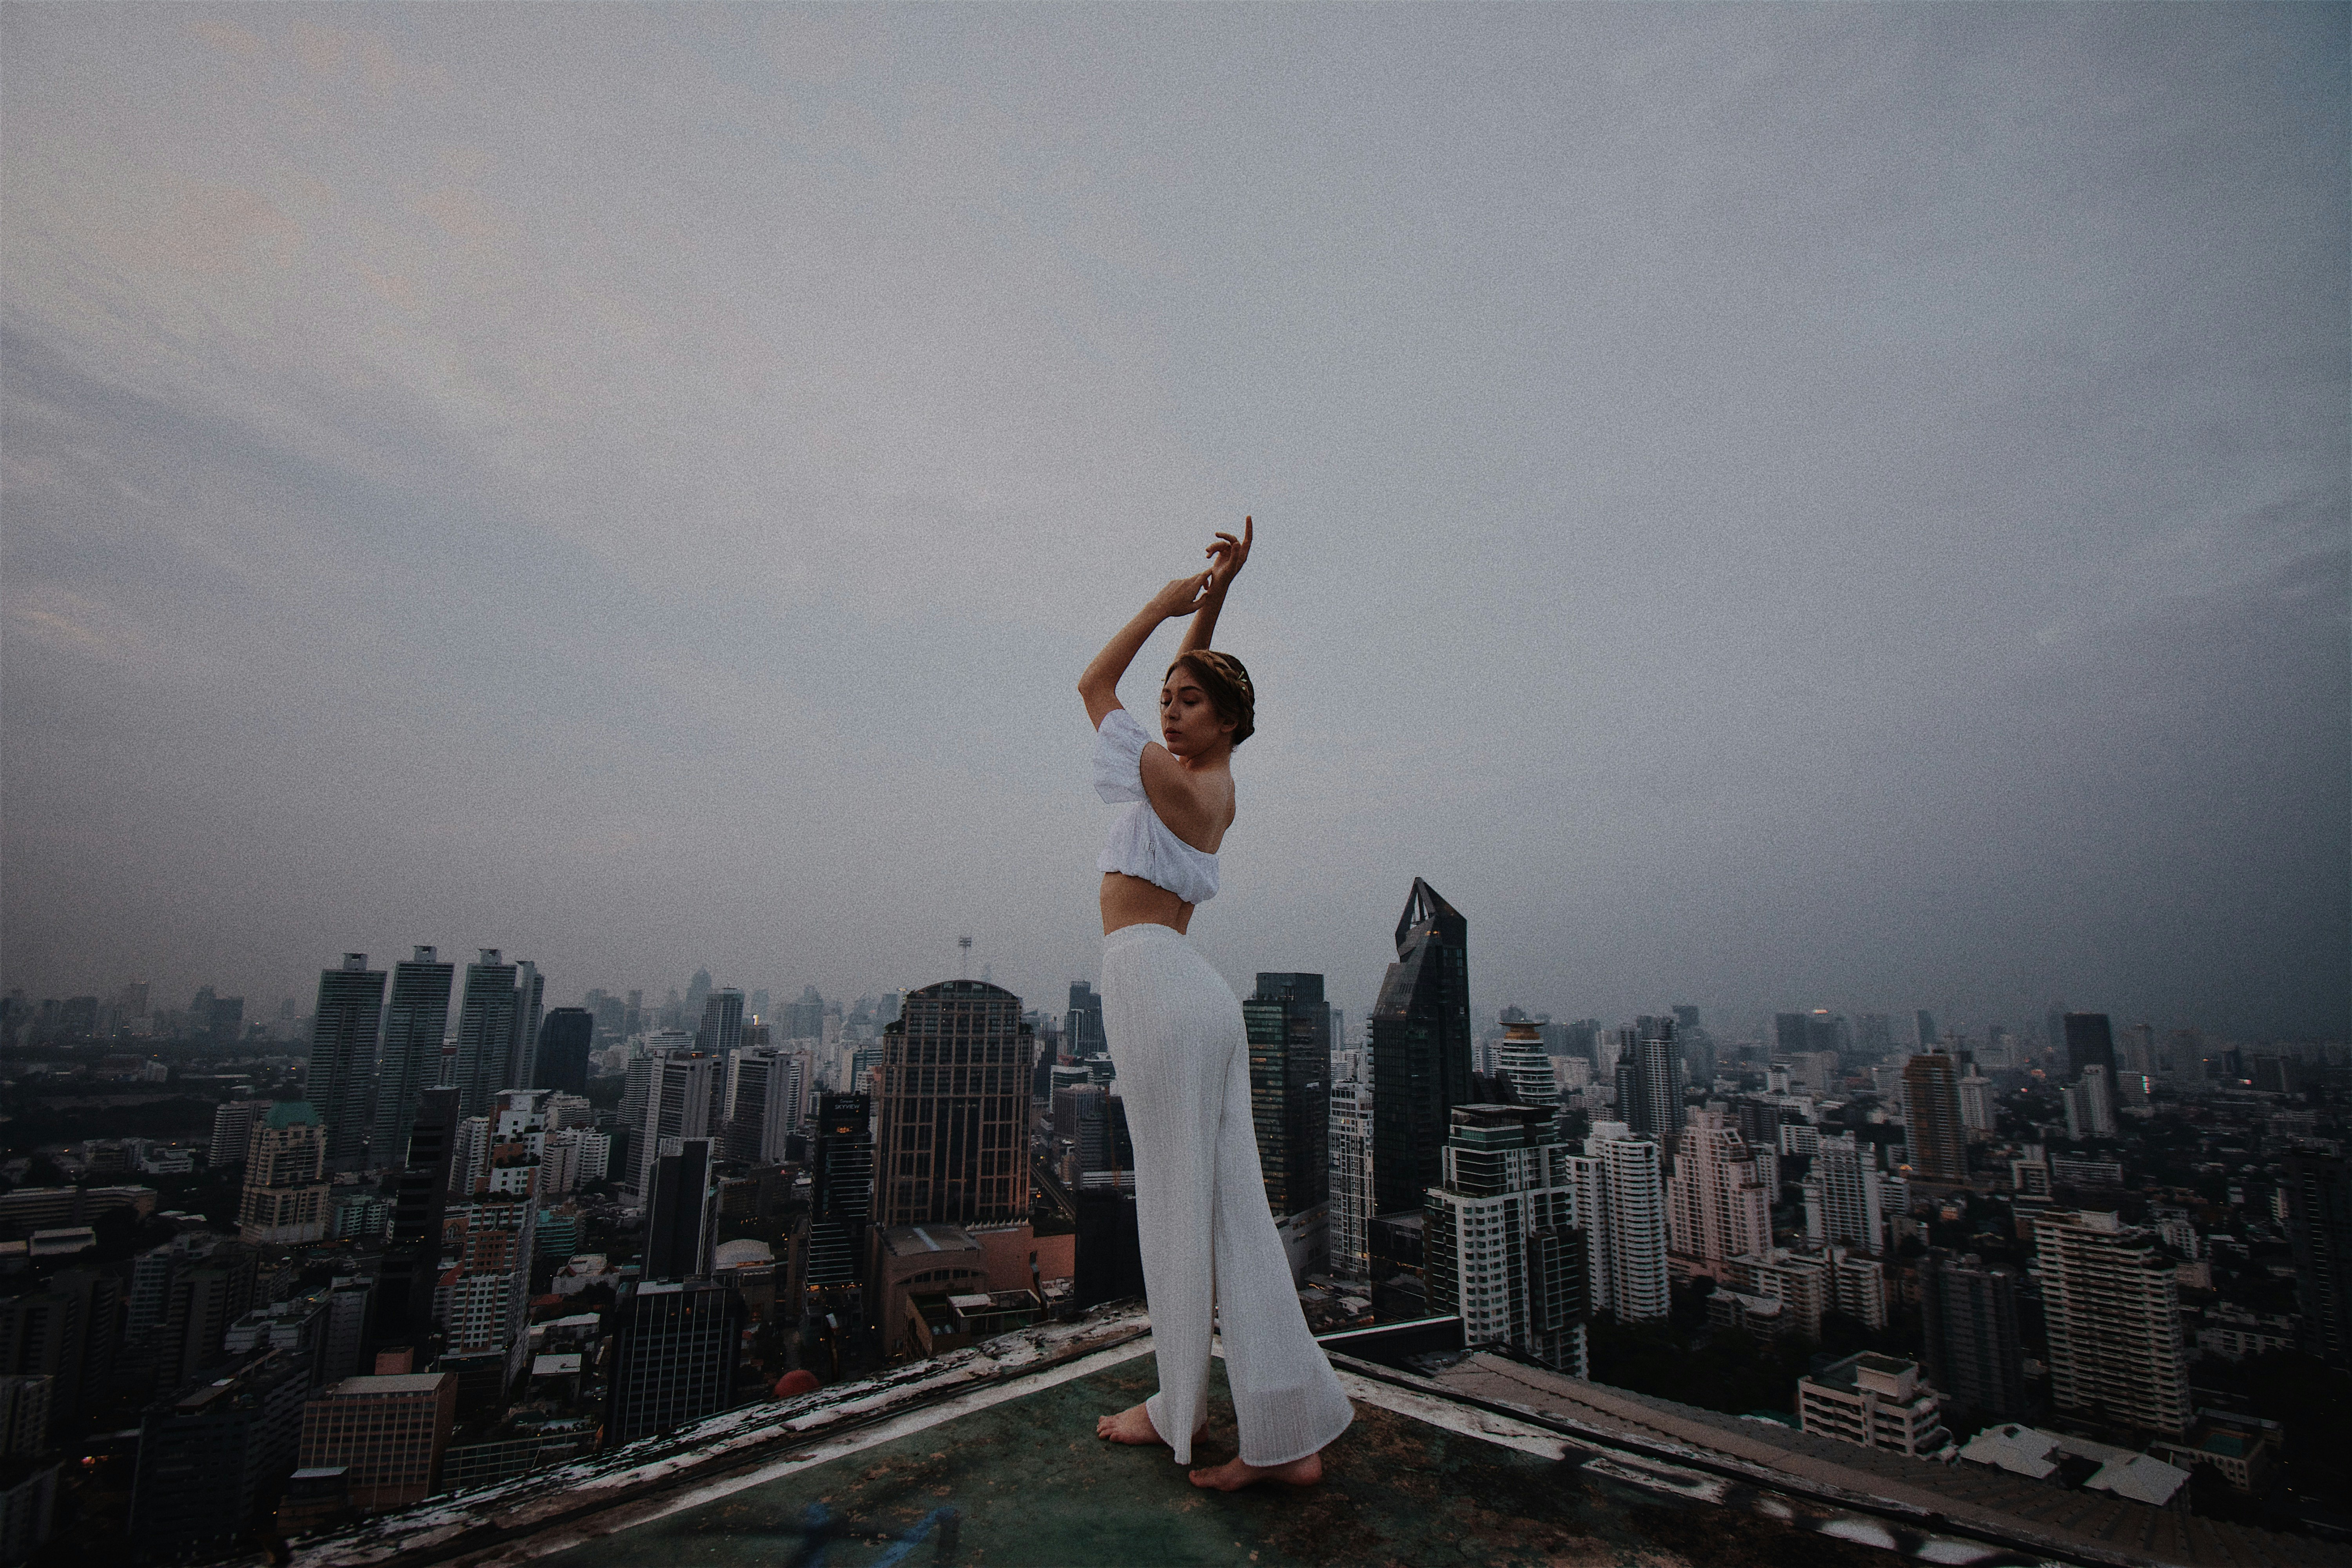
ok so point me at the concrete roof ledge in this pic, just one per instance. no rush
(639, 1477)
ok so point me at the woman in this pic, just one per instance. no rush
(1183, 1059)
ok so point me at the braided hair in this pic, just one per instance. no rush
(1225, 684)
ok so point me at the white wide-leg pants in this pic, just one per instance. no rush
(1181, 1054)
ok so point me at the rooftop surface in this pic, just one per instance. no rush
(988, 1455)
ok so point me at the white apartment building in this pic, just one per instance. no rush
(1350, 1158)
(1621, 1200)
(1844, 1197)
(1876, 1401)
(2113, 1309)
(1502, 1251)
(1720, 1201)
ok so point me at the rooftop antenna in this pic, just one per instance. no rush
(963, 958)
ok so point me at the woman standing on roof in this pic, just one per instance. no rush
(1181, 1055)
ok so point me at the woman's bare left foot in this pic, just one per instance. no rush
(1232, 1474)
(1133, 1425)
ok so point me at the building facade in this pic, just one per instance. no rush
(389, 1433)
(1351, 1180)
(675, 1349)
(1876, 1401)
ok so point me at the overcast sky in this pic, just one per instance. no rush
(1763, 507)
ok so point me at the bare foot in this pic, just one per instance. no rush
(1133, 1425)
(1232, 1474)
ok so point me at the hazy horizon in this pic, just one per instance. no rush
(1763, 507)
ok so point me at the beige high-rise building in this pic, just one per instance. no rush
(285, 1189)
(1931, 1102)
(2111, 1304)
(1719, 1205)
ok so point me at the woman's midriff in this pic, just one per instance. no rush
(1132, 901)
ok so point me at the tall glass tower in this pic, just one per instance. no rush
(1421, 1050)
(1290, 1078)
(341, 1080)
(414, 1023)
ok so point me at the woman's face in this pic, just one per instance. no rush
(1189, 724)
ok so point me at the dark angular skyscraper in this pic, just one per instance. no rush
(1290, 1089)
(2090, 1039)
(341, 1079)
(675, 1347)
(561, 1062)
(1421, 1050)
(414, 1023)
(411, 1262)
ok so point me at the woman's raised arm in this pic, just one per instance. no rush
(1226, 558)
(1098, 687)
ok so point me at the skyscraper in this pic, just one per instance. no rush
(1844, 1198)
(1082, 1025)
(413, 1022)
(1925, 1022)
(1719, 1205)
(2112, 1308)
(341, 1079)
(485, 1027)
(1421, 1050)
(2090, 1038)
(411, 1260)
(841, 1197)
(953, 1138)
(1968, 1313)
(494, 1224)
(561, 1059)
(2090, 1103)
(681, 1212)
(1351, 1180)
(1502, 1248)
(1649, 1082)
(1789, 1035)
(765, 1089)
(530, 991)
(1289, 1029)
(1931, 1101)
(680, 1095)
(1621, 1205)
(722, 1030)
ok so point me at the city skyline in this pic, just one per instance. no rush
(1765, 507)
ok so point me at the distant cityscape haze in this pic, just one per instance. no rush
(1764, 508)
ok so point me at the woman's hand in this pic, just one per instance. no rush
(1180, 598)
(1226, 556)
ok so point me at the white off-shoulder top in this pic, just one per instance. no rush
(1140, 845)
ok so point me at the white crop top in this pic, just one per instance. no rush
(1140, 845)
